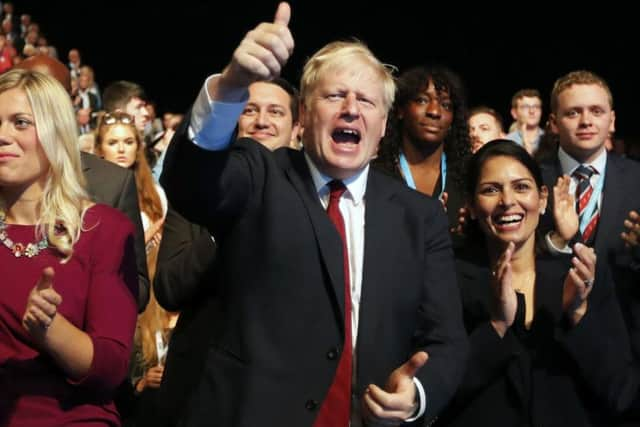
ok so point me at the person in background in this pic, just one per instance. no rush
(607, 197)
(485, 124)
(187, 258)
(526, 110)
(427, 142)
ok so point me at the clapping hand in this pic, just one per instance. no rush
(505, 302)
(631, 236)
(564, 210)
(42, 305)
(579, 282)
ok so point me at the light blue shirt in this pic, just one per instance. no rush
(516, 137)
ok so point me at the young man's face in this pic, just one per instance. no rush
(137, 108)
(483, 127)
(267, 117)
(528, 111)
(583, 120)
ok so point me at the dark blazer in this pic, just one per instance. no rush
(114, 186)
(621, 194)
(185, 281)
(276, 339)
(534, 377)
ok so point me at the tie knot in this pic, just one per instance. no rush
(336, 189)
(584, 172)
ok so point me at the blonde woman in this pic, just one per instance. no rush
(66, 265)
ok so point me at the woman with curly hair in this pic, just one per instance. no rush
(427, 141)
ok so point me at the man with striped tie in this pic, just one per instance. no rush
(603, 186)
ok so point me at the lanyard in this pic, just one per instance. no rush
(408, 178)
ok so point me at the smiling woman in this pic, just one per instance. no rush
(522, 307)
(62, 352)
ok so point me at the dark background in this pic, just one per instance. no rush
(497, 49)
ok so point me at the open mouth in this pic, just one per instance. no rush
(346, 135)
(508, 220)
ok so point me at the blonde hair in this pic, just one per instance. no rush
(580, 77)
(338, 55)
(64, 198)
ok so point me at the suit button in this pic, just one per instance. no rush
(311, 405)
(332, 354)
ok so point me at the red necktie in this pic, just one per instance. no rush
(336, 408)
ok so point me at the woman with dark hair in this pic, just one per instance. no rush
(525, 311)
(427, 141)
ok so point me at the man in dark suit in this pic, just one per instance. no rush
(106, 182)
(185, 275)
(582, 116)
(296, 289)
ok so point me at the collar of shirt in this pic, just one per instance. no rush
(569, 164)
(356, 184)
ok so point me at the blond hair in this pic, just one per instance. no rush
(338, 55)
(580, 77)
(64, 198)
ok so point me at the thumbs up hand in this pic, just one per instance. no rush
(262, 53)
(395, 403)
(42, 305)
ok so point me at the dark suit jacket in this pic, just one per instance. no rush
(185, 281)
(534, 377)
(621, 194)
(114, 186)
(276, 338)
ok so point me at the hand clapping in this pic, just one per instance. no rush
(42, 305)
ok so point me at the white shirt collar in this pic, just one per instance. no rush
(356, 184)
(569, 164)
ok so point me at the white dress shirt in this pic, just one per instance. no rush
(212, 126)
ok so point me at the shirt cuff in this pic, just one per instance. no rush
(422, 401)
(553, 249)
(213, 122)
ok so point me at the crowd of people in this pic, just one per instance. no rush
(364, 250)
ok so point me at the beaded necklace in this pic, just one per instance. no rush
(19, 249)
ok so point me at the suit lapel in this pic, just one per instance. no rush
(382, 224)
(327, 237)
(612, 201)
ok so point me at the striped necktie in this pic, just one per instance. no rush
(584, 190)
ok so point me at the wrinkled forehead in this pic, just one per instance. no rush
(354, 73)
